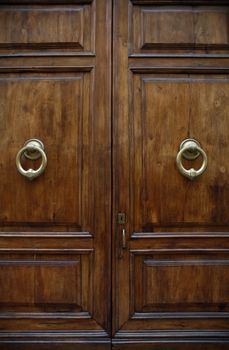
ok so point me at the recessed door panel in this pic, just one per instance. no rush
(179, 283)
(54, 28)
(168, 108)
(56, 112)
(179, 28)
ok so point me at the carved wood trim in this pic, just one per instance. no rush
(179, 69)
(150, 262)
(178, 315)
(45, 69)
(137, 235)
(45, 2)
(46, 315)
(180, 2)
(177, 334)
(46, 234)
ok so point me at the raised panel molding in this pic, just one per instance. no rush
(171, 340)
(55, 242)
(188, 30)
(153, 97)
(35, 340)
(68, 287)
(171, 334)
(178, 2)
(74, 27)
(51, 2)
(76, 120)
(196, 285)
(179, 315)
(179, 69)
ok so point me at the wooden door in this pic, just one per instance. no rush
(171, 281)
(55, 230)
(170, 242)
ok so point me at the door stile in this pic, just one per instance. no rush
(120, 160)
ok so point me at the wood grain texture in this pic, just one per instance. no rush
(42, 2)
(54, 241)
(174, 2)
(170, 81)
(177, 29)
(168, 345)
(180, 283)
(53, 289)
(82, 344)
(40, 114)
(189, 112)
(172, 276)
(37, 280)
(47, 28)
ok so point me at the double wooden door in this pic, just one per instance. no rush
(112, 244)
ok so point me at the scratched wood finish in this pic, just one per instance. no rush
(55, 85)
(170, 83)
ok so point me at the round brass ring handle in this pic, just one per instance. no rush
(33, 149)
(190, 149)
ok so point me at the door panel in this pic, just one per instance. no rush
(58, 112)
(167, 108)
(171, 253)
(68, 27)
(177, 29)
(54, 232)
(186, 279)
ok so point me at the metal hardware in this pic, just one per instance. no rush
(33, 149)
(32, 153)
(121, 219)
(190, 152)
(123, 238)
(190, 149)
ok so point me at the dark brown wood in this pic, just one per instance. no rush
(170, 83)
(47, 27)
(164, 29)
(55, 85)
(85, 343)
(170, 267)
(136, 345)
